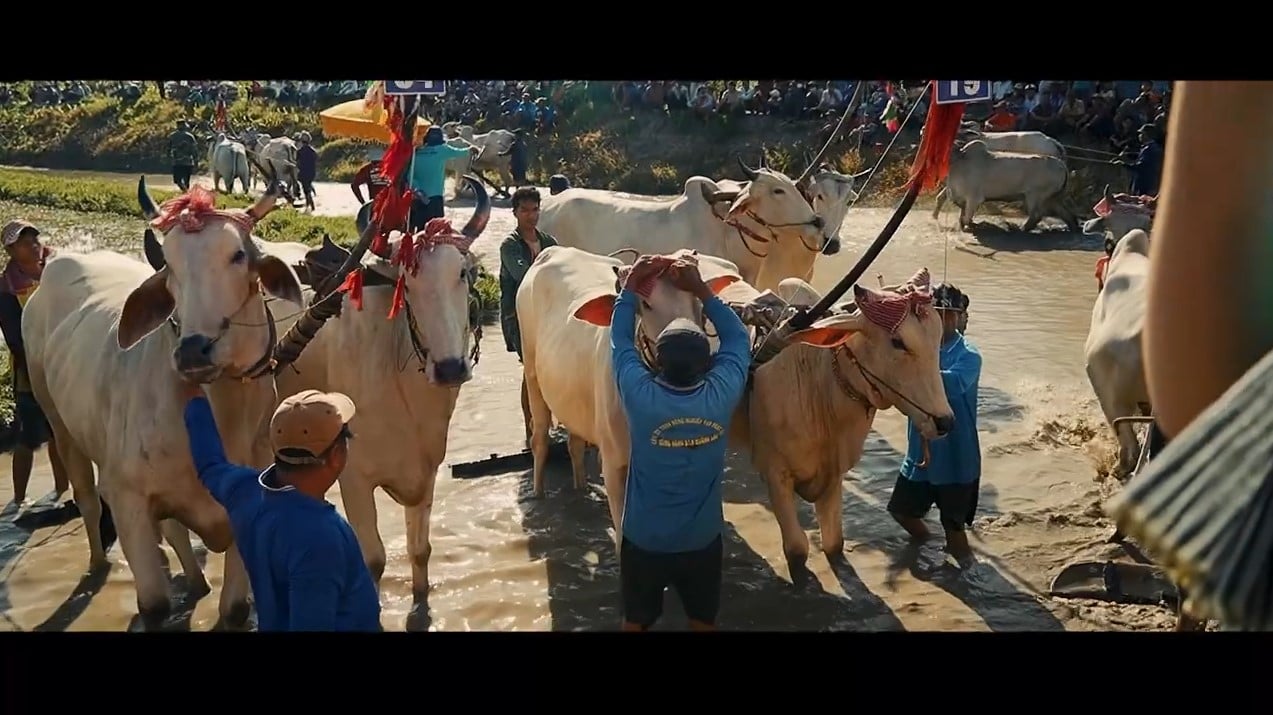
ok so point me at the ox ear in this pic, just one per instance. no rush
(146, 308)
(829, 332)
(597, 310)
(279, 280)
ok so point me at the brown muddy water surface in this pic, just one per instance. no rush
(504, 562)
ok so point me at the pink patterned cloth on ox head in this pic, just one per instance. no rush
(889, 310)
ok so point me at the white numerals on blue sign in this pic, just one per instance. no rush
(956, 91)
(415, 86)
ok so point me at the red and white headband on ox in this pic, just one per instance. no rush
(437, 232)
(658, 266)
(192, 210)
(889, 310)
(1139, 204)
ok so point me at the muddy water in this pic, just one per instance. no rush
(503, 562)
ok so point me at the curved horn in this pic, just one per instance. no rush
(481, 213)
(862, 173)
(148, 207)
(154, 250)
(749, 172)
(844, 121)
(715, 197)
(268, 201)
(761, 165)
(623, 251)
(1109, 196)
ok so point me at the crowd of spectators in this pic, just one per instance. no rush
(1108, 113)
(1105, 112)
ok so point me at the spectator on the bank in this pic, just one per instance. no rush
(1040, 116)
(677, 97)
(1099, 120)
(703, 103)
(655, 95)
(1001, 119)
(545, 117)
(1124, 137)
(184, 150)
(729, 101)
(1072, 110)
(773, 104)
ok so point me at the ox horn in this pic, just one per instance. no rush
(481, 213)
(149, 208)
(749, 172)
(154, 250)
(268, 201)
(863, 172)
(839, 128)
(715, 197)
(1109, 197)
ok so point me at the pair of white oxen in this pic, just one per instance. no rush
(104, 332)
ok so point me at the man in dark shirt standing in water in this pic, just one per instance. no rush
(516, 253)
(678, 419)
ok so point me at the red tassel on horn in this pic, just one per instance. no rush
(353, 286)
(399, 296)
(932, 161)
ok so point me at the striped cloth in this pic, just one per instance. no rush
(889, 310)
(1139, 204)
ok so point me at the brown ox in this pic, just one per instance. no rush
(807, 415)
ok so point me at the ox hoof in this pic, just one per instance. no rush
(236, 616)
(154, 617)
(834, 551)
(197, 586)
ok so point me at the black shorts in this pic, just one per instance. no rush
(696, 576)
(28, 421)
(957, 503)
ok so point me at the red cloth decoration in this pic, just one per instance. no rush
(192, 210)
(399, 294)
(392, 205)
(222, 120)
(889, 310)
(932, 161)
(1140, 204)
(353, 286)
(646, 286)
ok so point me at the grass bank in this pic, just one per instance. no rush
(597, 145)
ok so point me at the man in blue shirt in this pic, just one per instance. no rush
(678, 420)
(303, 560)
(428, 176)
(953, 474)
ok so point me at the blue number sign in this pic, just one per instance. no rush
(415, 86)
(956, 91)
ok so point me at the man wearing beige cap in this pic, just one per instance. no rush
(303, 560)
(18, 281)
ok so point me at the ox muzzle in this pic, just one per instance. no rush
(193, 358)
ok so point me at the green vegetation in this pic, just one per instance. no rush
(596, 145)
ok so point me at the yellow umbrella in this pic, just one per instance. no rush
(351, 119)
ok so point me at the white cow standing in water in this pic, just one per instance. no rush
(109, 340)
(404, 374)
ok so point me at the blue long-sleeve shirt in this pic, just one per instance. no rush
(1147, 169)
(956, 457)
(303, 561)
(428, 174)
(678, 437)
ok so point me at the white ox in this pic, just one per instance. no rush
(108, 339)
(492, 144)
(564, 306)
(405, 376)
(1016, 142)
(1115, 359)
(978, 174)
(805, 419)
(278, 155)
(780, 234)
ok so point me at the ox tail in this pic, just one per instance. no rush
(1205, 505)
(941, 201)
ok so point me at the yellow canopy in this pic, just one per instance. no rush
(352, 120)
